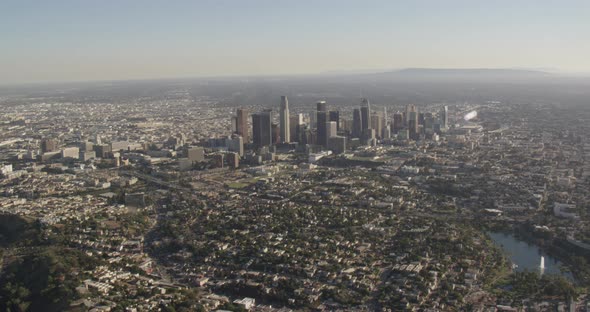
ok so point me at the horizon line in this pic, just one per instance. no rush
(336, 72)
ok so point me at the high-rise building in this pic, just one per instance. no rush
(217, 143)
(398, 122)
(233, 160)
(118, 146)
(86, 155)
(403, 134)
(331, 130)
(335, 116)
(86, 146)
(365, 114)
(385, 125)
(413, 125)
(313, 122)
(235, 143)
(357, 123)
(262, 128)
(428, 123)
(444, 117)
(285, 131)
(48, 145)
(276, 133)
(412, 121)
(322, 106)
(369, 137)
(322, 120)
(421, 119)
(218, 160)
(70, 152)
(234, 124)
(196, 154)
(337, 144)
(376, 123)
(175, 141)
(295, 123)
(102, 150)
(437, 127)
(242, 124)
(386, 132)
(410, 108)
(307, 135)
(346, 126)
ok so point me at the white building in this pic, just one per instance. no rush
(246, 303)
(6, 169)
(70, 152)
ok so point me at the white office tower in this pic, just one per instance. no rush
(444, 117)
(386, 132)
(284, 120)
(295, 123)
(331, 129)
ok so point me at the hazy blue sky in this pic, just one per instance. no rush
(55, 40)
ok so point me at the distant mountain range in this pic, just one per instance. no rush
(446, 72)
(460, 72)
(488, 75)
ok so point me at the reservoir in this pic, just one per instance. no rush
(527, 256)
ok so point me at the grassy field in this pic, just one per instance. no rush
(237, 185)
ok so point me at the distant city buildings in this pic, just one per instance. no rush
(372, 184)
(361, 126)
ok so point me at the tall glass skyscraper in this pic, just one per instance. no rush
(285, 131)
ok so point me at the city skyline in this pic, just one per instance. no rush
(70, 41)
(281, 156)
(416, 196)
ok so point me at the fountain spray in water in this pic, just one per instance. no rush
(542, 265)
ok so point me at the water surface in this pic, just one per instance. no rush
(527, 256)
